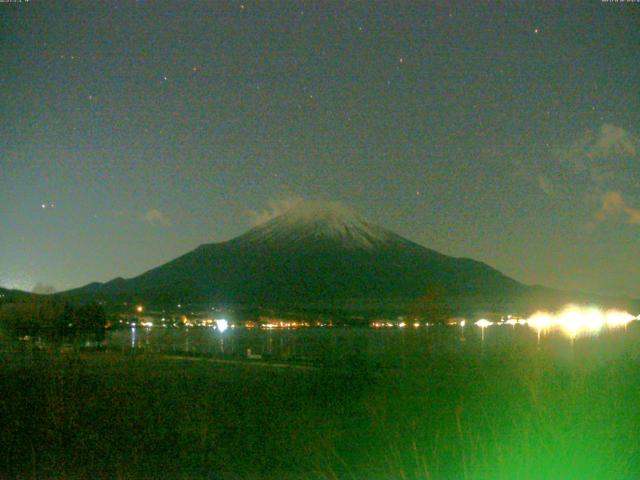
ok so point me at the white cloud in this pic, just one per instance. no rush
(608, 142)
(156, 217)
(633, 215)
(613, 205)
(274, 209)
(601, 156)
(595, 168)
(613, 141)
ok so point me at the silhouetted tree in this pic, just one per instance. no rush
(48, 318)
(91, 318)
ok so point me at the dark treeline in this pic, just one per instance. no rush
(43, 317)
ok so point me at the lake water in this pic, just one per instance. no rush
(393, 347)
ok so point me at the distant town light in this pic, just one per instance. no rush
(222, 325)
(139, 309)
(616, 318)
(483, 323)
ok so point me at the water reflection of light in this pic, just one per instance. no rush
(133, 335)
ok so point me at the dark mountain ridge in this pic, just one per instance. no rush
(9, 295)
(316, 254)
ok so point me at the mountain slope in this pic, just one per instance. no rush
(317, 253)
(7, 295)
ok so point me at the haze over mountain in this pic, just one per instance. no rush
(317, 254)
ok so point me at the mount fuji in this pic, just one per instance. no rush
(317, 253)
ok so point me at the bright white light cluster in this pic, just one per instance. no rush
(576, 321)
(484, 323)
(573, 321)
(221, 325)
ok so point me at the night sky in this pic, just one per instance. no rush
(131, 132)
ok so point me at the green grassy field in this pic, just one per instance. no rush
(506, 414)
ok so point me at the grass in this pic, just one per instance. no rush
(506, 414)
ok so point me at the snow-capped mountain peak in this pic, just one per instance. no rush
(320, 220)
